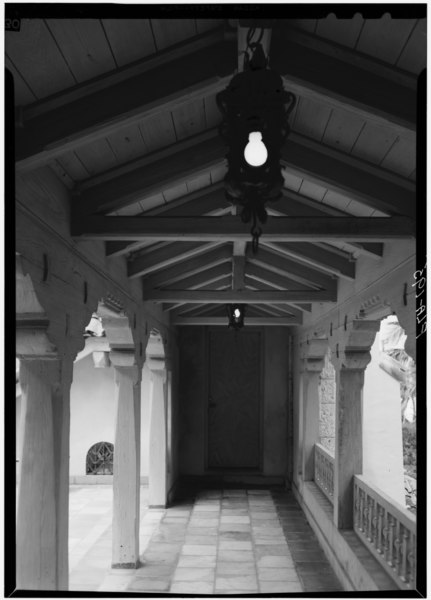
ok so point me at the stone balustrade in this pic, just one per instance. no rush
(324, 471)
(388, 530)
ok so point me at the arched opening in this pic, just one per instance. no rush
(100, 459)
(389, 413)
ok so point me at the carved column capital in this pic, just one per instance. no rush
(158, 367)
(312, 353)
(351, 344)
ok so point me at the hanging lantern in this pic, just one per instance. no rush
(236, 314)
(255, 110)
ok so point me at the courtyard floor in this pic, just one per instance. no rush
(210, 542)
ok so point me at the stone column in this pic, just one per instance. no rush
(43, 492)
(313, 353)
(125, 524)
(350, 356)
(157, 485)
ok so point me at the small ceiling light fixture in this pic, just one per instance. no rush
(236, 313)
(255, 110)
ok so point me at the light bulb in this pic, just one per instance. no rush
(237, 313)
(255, 153)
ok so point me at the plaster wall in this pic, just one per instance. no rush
(193, 374)
(92, 411)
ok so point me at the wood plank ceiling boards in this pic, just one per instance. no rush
(124, 112)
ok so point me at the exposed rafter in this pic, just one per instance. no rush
(323, 77)
(224, 229)
(320, 258)
(304, 158)
(222, 321)
(297, 205)
(270, 260)
(189, 267)
(198, 70)
(243, 296)
(167, 256)
(204, 277)
(192, 75)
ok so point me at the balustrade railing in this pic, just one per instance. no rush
(388, 530)
(324, 471)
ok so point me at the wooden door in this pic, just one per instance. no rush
(234, 400)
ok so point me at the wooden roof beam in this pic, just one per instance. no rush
(327, 79)
(281, 265)
(250, 321)
(190, 75)
(329, 168)
(177, 272)
(243, 296)
(166, 257)
(227, 228)
(305, 158)
(316, 256)
(276, 281)
(205, 277)
(296, 205)
(151, 175)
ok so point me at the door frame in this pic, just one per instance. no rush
(261, 442)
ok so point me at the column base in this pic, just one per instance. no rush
(129, 565)
(157, 505)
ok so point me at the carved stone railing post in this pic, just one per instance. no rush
(157, 480)
(125, 525)
(313, 354)
(350, 347)
(43, 491)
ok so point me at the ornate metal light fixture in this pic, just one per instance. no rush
(255, 109)
(236, 314)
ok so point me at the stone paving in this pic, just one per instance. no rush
(213, 542)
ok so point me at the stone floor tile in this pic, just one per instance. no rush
(275, 562)
(198, 550)
(235, 545)
(149, 585)
(268, 587)
(235, 555)
(272, 550)
(265, 516)
(195, 522)
(257, 529)
(238, 527)
(206, 531)
(240, 536)
(168, 547)
(115, 583)
(191, 587)
(207, 540)
(316, 556)
(194, 574)
(204, 508)
(155, 571)
(232, 568)
(239, 582)
(190, 561)
(274, 574)
(269, 541)
(235, 593)
(234, 519)
(161, 558)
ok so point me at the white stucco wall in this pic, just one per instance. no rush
(92, 411)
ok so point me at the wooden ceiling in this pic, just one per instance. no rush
(124, 112)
